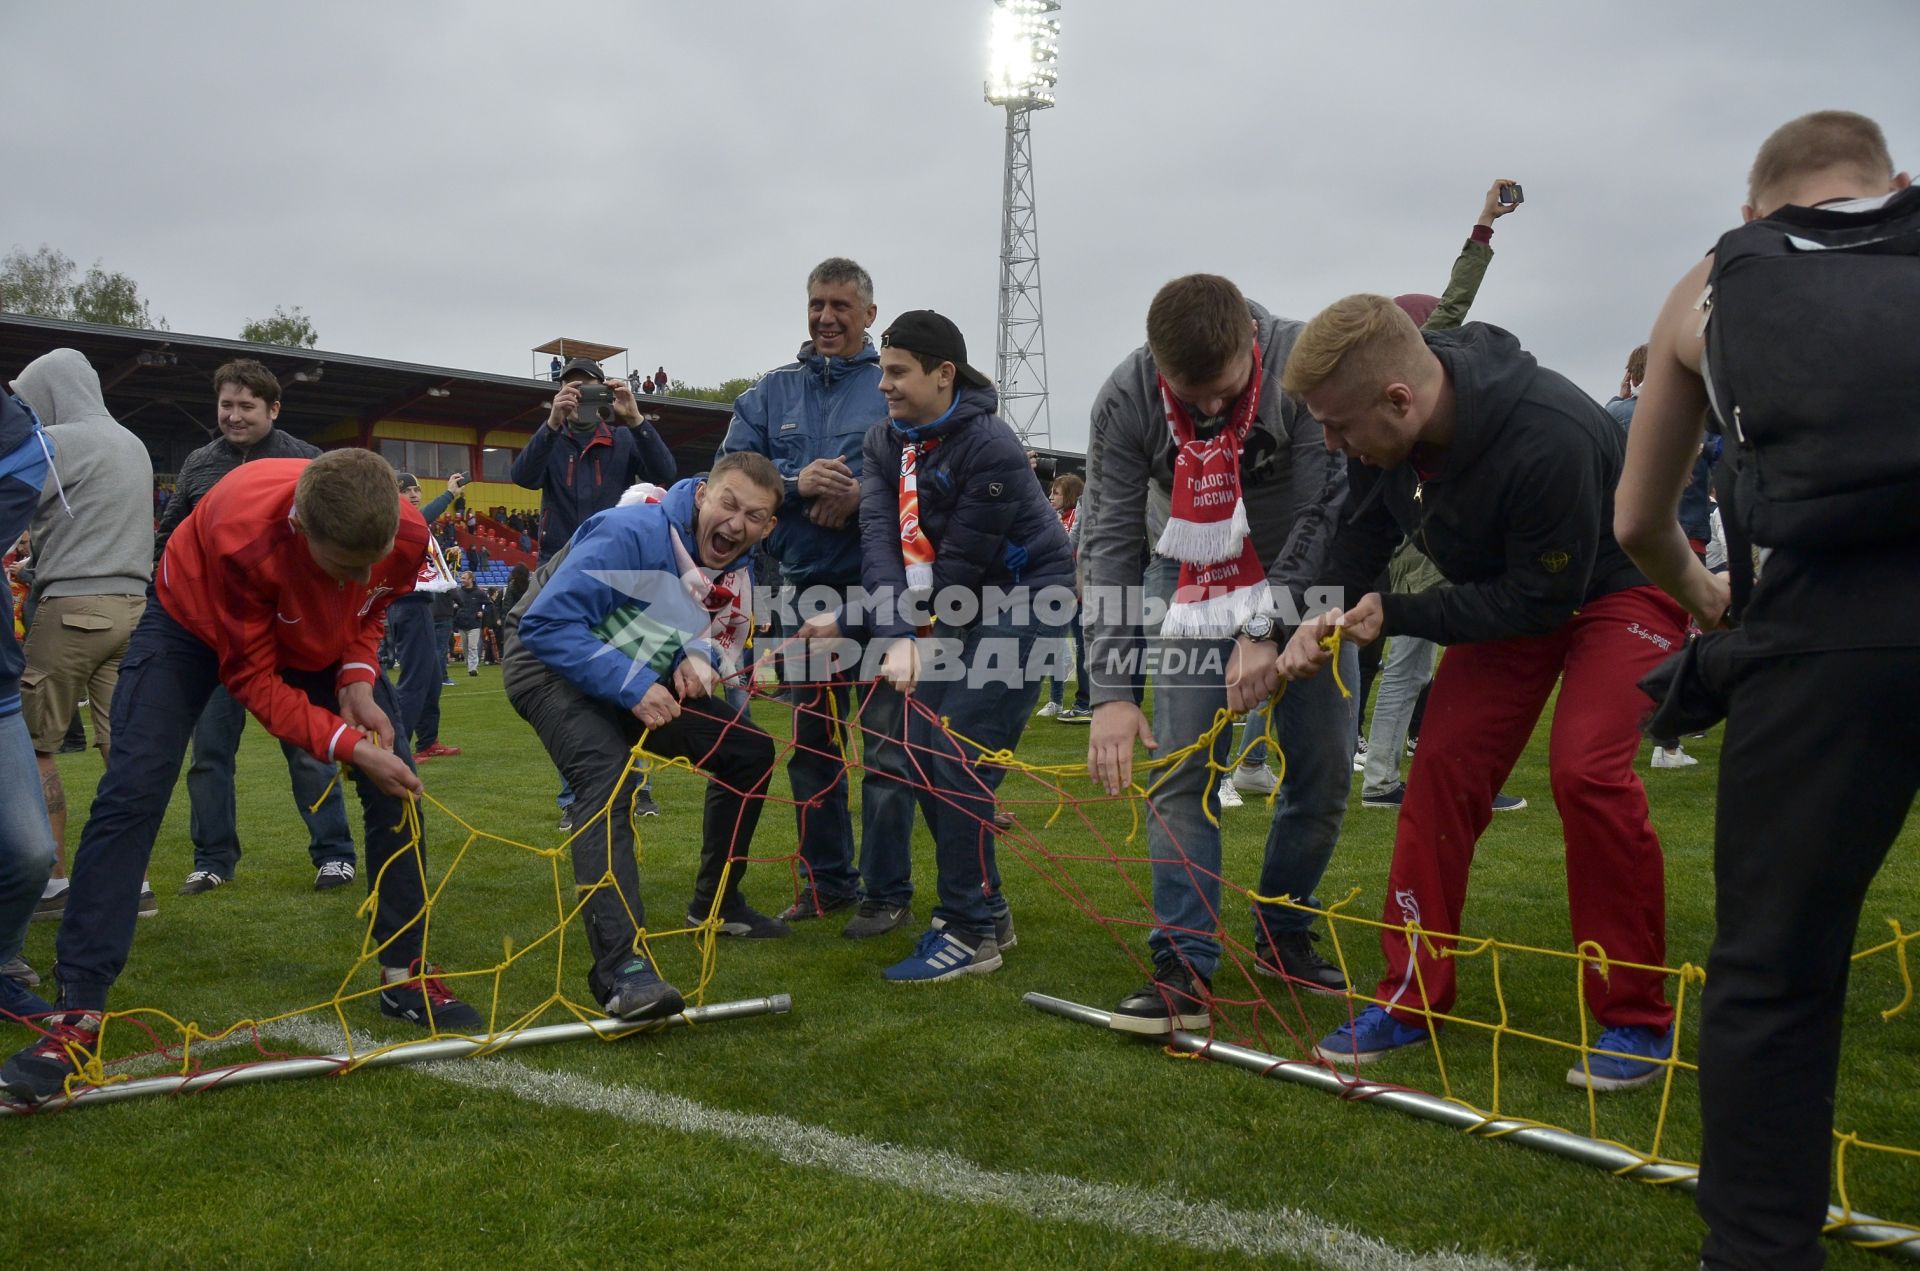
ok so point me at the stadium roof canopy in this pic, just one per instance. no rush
(160, 383)
(565, 348)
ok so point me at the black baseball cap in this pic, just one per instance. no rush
(586, 364)
(924, 331)
(409, 482)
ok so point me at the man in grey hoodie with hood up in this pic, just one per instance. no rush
(93, 559)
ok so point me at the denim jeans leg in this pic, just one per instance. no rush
(1315, 726)
(1408, 667)
(893, 773)
(165, 681)
(410, 628)
(1253, 737)
(328, 838)
(26, 839)
(212, 820)
(818, 775)
(987, 710)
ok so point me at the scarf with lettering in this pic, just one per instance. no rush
(1221, 581)
(916, 549)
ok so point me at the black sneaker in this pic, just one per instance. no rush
(1291, 957)
(742, 920)
(1174, 998)
(333, 874)
(643, 804)
(566, 820)
(814, 905)
(1391, 799)
(199, 881)
(639, 993)
(149, 903)
(424, 999)
(40, 1072)
(877, 918)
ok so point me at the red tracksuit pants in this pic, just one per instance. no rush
(1486, 699)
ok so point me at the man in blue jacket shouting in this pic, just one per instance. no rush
(628, 631)
(810, 417)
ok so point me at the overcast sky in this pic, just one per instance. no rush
(455, 183)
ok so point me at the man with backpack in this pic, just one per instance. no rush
(1797, 333)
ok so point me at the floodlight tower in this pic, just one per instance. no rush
(1020, 76)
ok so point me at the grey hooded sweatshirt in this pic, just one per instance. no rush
(93, 534)
(1293, 487)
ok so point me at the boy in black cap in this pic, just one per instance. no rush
(949, 516)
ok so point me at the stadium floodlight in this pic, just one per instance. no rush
(1024, 49)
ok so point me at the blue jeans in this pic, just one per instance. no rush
(165, 681)
(26, 840)
(818, 776)
(211, 819)
(937, 768)
(411, 628)
(1253, 735)
(1315, 725)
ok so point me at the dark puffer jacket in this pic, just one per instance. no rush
(988, 519)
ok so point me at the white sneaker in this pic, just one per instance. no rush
(1254, 779)
(1360, 756)
(1230, 797)
(1675, 758)
(1048, 711)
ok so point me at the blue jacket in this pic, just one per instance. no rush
(1696, 501)
(813, 408)
(576, 480)
(988, 519)
(24, 449)
(614, 619)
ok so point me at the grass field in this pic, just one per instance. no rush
(875, 1125)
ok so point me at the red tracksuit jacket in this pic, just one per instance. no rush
(238, 575)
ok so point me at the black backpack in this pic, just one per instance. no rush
(1812, 364)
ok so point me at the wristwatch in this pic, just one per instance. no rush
(1259, 627)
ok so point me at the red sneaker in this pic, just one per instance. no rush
(436, 751)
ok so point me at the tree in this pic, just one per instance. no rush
(42, 283)
(726, 392)
(291, 328)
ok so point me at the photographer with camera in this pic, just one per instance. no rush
(581, 462)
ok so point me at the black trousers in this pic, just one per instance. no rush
(1819, 770)
(589, 741)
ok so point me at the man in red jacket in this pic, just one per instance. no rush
(277, 586)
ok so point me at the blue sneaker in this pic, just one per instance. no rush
(1369, 1035)
(1638, 1057)
(1504, 802)
(944, 954)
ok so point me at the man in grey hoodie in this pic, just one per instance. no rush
(93, 559)
(1213, 359)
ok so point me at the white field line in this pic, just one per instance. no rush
(1118, 1208)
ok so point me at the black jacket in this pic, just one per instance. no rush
(577, 479)
(205, 466)
(1517, 512)
(988, 520)
(471, 607)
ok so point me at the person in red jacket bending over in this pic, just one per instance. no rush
(277, 585)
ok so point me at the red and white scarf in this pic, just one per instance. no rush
(434, 575)
(1221, 581)
(916, 549)
(725, 594)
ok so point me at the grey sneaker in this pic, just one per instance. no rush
(876, 918)
(1003, 933)
(20, 972)
(51, 908)
(149, 903)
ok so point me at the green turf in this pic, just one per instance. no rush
(392, 1166)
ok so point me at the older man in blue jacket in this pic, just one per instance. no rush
(810, 417)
